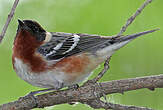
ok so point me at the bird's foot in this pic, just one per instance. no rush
(40, 91)
(74, 86)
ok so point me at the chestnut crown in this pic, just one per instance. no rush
(33, 27)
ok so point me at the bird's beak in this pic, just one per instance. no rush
(21, 23)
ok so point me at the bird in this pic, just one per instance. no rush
(54, 60)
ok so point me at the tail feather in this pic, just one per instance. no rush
(133, 36)
(118, 42)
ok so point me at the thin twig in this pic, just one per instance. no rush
(104, 70)
(123, 29)
(132, 18)
(8, 20)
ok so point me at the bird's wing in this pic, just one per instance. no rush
(63, 45)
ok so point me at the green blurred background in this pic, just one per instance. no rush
(142, 57)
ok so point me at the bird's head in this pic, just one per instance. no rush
(30, 35)
(33, 28)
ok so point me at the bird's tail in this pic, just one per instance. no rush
(117, 42)
(133, 36)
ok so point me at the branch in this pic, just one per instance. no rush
(89, 92)
(132, 18)
(8, 20)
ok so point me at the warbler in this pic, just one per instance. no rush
(57, 59)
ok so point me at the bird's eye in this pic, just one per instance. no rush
(35, 29)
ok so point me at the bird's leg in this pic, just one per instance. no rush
(40, 91)
(74, 86)
(60, 85)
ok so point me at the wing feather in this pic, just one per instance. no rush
(63, 45)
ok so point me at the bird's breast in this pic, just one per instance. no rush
(46, 79)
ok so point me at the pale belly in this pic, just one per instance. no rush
(48, 79)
